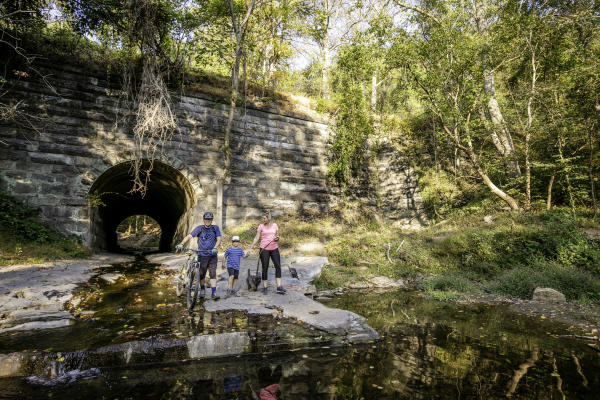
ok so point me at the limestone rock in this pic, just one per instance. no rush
(548, 295)
(110, 278)
(385, 282)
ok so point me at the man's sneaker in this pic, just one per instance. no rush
(202, 293)
(281, 290)
(264, 290)
(214, 296)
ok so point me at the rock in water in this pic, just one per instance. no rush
(548, 295)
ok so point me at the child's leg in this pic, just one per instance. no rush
(230, 282)
(235, 275)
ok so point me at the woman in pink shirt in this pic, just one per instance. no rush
(268, 232)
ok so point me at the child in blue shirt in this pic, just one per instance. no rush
(231, 259)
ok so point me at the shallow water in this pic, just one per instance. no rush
(428, 350)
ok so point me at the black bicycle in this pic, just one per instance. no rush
(189, 278)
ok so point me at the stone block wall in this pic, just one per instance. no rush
(71, 142)
(70, 139)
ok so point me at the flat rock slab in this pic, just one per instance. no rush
(32, 295)
(294, 304)
(110, 278)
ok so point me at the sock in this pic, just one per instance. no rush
(202, 287)
(214, 290)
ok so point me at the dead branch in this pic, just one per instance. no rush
(400, 245)
(519, 373)
(590, 338)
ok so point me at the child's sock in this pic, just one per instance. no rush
(213, 290)
(202, 287)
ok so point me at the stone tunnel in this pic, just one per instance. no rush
(167, 197)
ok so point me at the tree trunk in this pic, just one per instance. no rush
(374, 91)
(591, 173)
(500, 134)
(550, 184)
(325, 69)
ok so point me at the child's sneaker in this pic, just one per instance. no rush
(264, 290)
(214, 296)
(281, 290)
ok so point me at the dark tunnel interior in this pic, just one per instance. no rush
(168, 196)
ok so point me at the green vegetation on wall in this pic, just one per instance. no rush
(24, 239)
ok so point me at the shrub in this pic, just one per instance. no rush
(574, 283)
(449, 282)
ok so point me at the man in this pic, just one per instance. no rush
(209, 239)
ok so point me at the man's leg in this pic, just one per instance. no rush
(212, 270)
(203, 265)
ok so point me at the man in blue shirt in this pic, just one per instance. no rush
(209, 239)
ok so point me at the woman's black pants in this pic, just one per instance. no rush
(264, 259)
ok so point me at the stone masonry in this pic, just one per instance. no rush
(71, 158)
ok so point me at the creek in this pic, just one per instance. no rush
(427, 350)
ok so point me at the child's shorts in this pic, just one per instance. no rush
(234, 272)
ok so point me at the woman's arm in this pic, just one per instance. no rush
(256, 238)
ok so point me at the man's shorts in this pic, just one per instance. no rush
(234, 272)
(208, 263)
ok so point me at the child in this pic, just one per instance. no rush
(232, 259)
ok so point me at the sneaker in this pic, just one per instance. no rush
(202, 293)
(281, 290)
(234, 292)
(214, 296)
(264, 290)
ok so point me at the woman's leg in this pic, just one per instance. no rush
(264, 259)
(277, 263)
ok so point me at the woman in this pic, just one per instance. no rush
(268, 232)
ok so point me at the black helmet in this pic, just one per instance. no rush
(208, 215)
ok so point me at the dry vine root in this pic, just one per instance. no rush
(148, 104)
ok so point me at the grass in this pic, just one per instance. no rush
(23, 239)
(510, 256)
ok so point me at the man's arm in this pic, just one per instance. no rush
(185, 240)
(219, 240)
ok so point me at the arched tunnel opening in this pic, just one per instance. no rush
(168, 197)
(138, 233)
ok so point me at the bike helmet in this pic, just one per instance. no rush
(208, 215)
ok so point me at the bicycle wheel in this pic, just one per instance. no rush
(182, 277)
(192, 290)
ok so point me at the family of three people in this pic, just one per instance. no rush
(209, 239)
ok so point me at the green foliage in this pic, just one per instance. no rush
(24, 239)
(449, 283)
(22, 220)
(574, 283)
(439, 191)
(354, 123)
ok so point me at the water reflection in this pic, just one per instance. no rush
(428, 350)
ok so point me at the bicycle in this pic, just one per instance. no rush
(188, 273)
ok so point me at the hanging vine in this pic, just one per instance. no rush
(149, 106)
